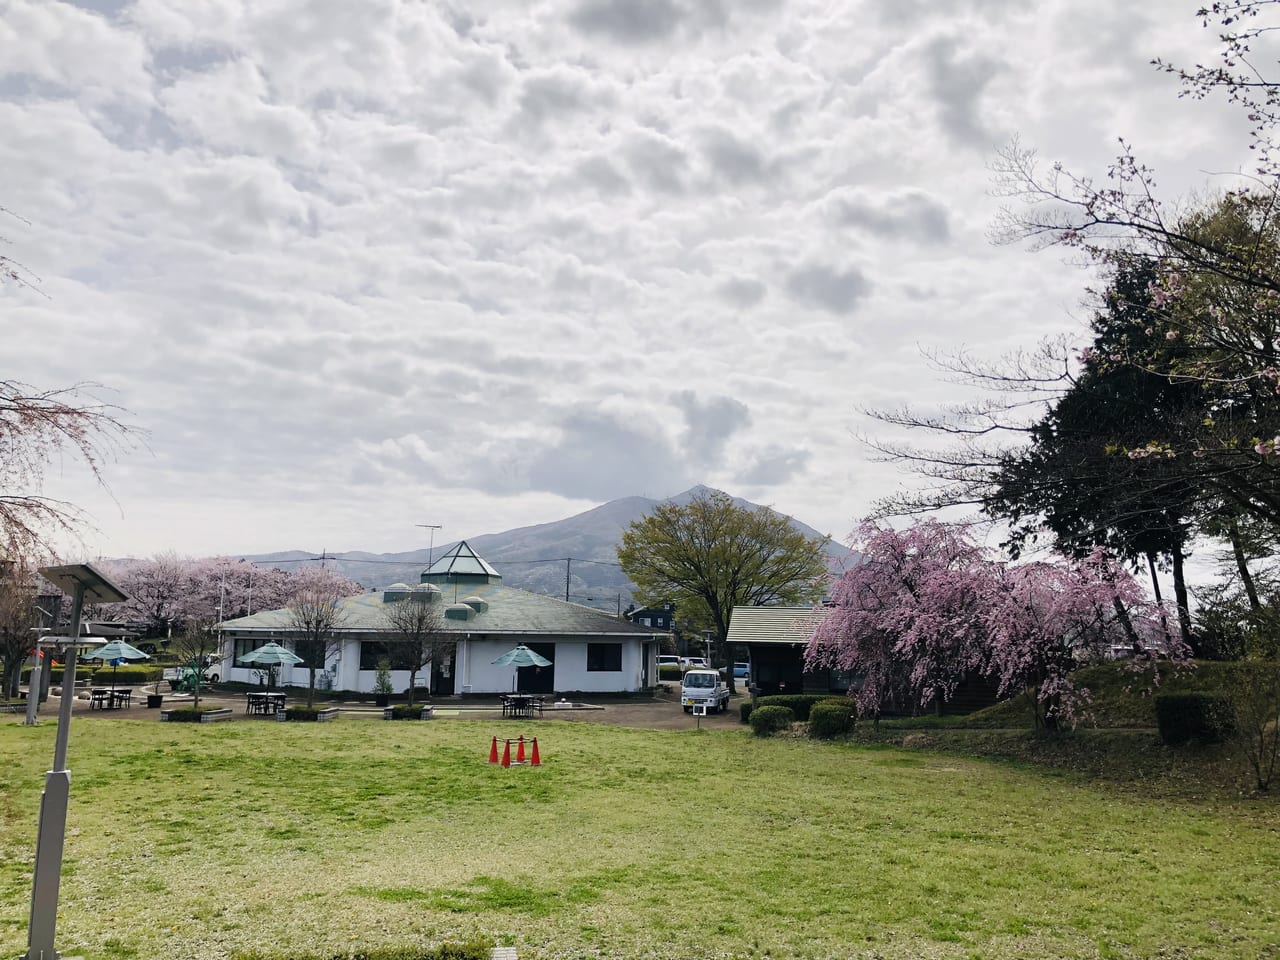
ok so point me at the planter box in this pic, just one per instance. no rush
(328, 713)
(209, 716)
(388, 713)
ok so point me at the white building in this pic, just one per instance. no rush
(590, 651)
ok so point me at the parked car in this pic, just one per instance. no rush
(668, 660)
(705, 689)
(741, 671)
(695, 663)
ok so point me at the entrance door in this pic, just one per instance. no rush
(538, 679)
(442, 672)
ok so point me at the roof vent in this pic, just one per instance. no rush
(459, 611)
(395, 593)
(476, 604)
(426, 593)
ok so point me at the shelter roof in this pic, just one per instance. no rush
(774, 624)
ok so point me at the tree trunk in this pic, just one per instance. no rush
(1126, 623)
(311, 686)
(1180, 597)
(413, 682)
(1155, 589)
(1242, 565)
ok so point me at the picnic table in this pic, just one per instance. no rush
(521, 705)
(264, 703)
(104, 698)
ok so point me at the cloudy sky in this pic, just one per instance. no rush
(356, 266)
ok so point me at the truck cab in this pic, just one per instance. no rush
(703, 688)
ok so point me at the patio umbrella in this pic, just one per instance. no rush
(115, 653)
(519, 657)
(270, 655)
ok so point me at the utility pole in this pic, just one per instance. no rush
(431, 541)
(568, 565)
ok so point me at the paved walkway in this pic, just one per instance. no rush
(662, 712)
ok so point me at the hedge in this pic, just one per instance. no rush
(1205, 717)
(744, 711)
(670, 671)
(799, 703)
(302, 713)
(186, 715)
(827, 721)
(402, 711)
(98, 674)
(768, 720)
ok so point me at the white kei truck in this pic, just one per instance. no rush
(705, 689)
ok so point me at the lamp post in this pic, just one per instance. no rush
(83, 581)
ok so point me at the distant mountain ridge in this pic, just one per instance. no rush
(537, 558)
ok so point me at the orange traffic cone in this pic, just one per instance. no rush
(535, 760)
(506, 754)
(493, 751)
(520, 750)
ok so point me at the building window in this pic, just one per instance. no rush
(243, 646)
(604, 657)
(398, 655)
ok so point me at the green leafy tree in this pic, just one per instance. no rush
(712, 555)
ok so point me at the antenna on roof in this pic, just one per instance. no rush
(431, 541)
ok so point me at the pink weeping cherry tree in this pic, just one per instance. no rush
(908, 617)
(925, 608)
(1046, 620)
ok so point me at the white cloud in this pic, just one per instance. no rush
(501, 260)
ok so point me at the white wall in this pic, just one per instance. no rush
(474, 671)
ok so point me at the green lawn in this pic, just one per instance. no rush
(196, 841)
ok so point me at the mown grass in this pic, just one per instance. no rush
(199, 841)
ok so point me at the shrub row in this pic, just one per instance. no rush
(97, 674)
(478, 949)
(670, 671)
(829, 720)
(185, 715)
(402, 711)
(302, 713)
(798, 703)
(1203, 717)
(768, 720)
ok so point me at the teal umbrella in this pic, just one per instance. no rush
(519, 657)
(270, 655)
(113, 653)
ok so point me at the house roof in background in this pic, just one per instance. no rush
(774, 624)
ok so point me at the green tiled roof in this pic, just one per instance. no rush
(774, 624)
(510, 611)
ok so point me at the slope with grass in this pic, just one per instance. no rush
(201, 841)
